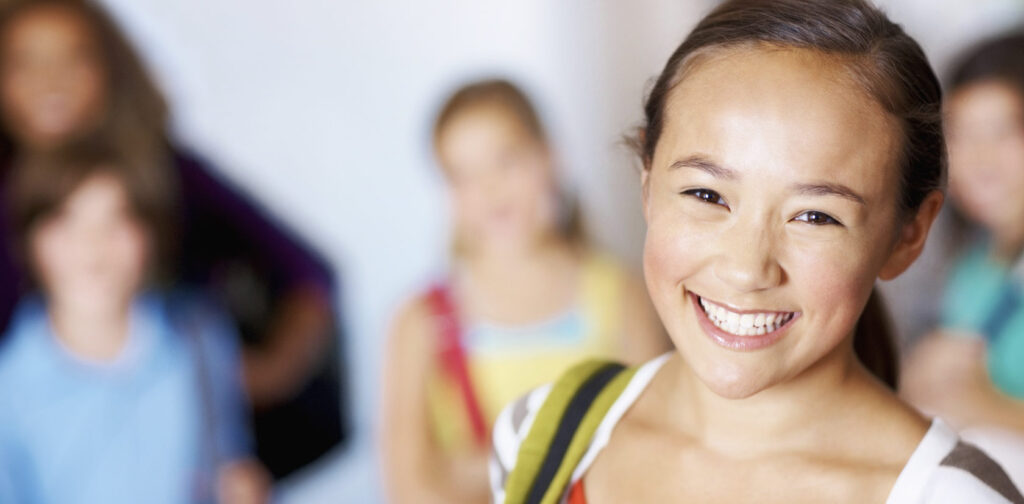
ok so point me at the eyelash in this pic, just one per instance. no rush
(706, 196)
(812, 217)
(826, 219)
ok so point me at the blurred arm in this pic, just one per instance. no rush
(298, 333)
(222, 224)
(947, 375)
(415, 467)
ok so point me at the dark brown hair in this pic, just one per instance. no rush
(41, 184)
(135, 115)
(888, 64)
(998, 59)
(504, 94)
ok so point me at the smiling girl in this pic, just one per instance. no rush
(792, 156)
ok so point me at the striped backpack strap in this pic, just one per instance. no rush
(562, 431)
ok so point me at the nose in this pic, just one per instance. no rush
(747, 259)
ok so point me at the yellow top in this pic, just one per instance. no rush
(506, 362)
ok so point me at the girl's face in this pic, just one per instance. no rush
(91, 254)
(51, 80)
(771, 209)
(501, 179)
(986, 155)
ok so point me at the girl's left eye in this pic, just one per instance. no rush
(817, 218)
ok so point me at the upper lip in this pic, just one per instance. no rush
(740, 311)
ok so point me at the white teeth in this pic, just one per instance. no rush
(746, 324)
(732, 318)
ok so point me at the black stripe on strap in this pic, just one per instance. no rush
(571, 418)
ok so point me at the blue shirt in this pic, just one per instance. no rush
(131, 430)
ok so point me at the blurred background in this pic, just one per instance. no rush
(322, 111)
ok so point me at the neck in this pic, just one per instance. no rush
(91, 334)
(798, 415)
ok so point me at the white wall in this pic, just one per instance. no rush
(322, 108)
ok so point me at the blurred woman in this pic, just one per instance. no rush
(113, 392)
(972, 369)
(67, 73)
(525, 297)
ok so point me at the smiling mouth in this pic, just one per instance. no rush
(745, 323)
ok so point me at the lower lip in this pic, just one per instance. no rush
(732, 341)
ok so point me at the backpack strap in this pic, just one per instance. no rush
(563, 429)
(454, 361)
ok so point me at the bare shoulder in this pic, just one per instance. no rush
(414, 316)
(413, 331)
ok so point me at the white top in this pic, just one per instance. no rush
(942, 469)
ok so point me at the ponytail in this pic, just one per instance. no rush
(874, 341)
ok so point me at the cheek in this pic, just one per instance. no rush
(831, 286)
(130, 252)
(674, 251)
(87, 87)
(17, 90)
(469, 203)
(51, 255)
(529, 183)
(1011, 163)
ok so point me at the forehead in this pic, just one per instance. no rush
(479, 130)
(100, 189)
(52, 22)
(784, 113)
(985, 100)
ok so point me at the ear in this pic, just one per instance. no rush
(911, 240)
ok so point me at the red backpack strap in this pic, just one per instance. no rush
(453, 358)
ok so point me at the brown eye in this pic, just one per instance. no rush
(707, 196)
(816, 218)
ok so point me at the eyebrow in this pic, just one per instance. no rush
(830, 189)
(708, 166)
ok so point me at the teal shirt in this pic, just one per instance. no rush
(972, 294)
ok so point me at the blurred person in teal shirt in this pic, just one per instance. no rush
(971, 370)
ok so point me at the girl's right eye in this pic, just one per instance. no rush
(707, 196)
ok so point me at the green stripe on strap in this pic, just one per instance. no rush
(585, 433)
(535, 449)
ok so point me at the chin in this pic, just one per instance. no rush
(732, 380)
